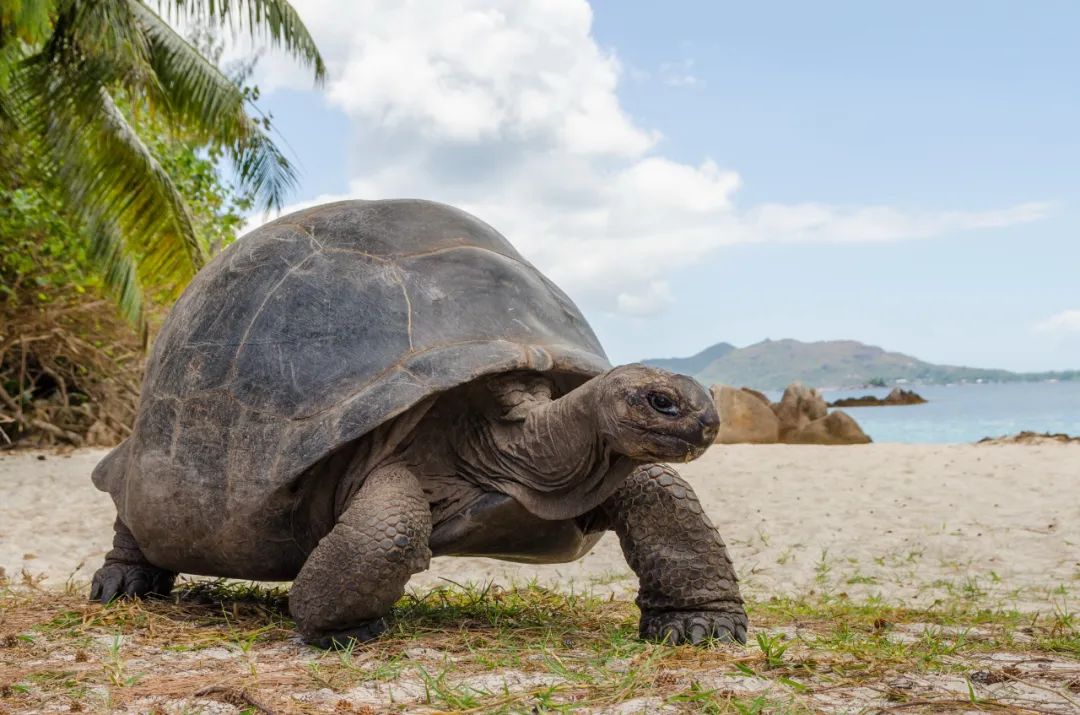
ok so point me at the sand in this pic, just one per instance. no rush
(904, 522)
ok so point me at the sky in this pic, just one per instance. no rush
(903, 174)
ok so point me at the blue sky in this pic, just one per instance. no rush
(904, 174)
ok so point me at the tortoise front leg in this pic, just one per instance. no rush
(359, 570)
(688, 590)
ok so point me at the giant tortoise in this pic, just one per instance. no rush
(353, 388)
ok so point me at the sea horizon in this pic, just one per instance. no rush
(965, 412)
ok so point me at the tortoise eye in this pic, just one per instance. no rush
(663, 404)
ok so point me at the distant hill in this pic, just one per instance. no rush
(774, 364)
(695, 363)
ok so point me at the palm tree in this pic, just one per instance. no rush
(63, 66)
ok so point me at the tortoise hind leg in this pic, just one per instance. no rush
(127, 573)
(359, 570)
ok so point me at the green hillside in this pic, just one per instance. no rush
(695, 363)
(774, 364)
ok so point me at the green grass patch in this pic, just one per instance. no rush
(482, 648)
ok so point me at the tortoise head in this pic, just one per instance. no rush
(654, 415)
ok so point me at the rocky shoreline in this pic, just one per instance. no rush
(897, 397)
(1028, 437)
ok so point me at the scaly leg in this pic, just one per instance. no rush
(688, 591)
(351, 580)
(126, 571)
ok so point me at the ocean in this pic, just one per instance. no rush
(969, 412)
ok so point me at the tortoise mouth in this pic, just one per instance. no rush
(670, 447)
(684, 450)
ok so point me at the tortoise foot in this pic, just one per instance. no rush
(119, 580)
(362, 633)
(694, 627)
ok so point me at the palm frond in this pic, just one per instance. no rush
(8, 117)
(155, 207)
(275, 20)
(106, 33)
(59, 60)
(207, 102)
(111, 181)
(119, 273)
(23, 23)
(26, 21)
(264, 170)
(197, 93)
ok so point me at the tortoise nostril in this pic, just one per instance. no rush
(709, 419)
(709, 424)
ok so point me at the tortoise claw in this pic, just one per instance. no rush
(337, 640)
(693, 627)
(119, 580)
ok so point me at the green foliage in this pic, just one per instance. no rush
(47, 259)
(39, 253)
(121, 124)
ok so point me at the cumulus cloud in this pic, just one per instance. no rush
(523, 73)
(810, 222)
(510, 111)
(679, 74)
(1067, 321)
(652, 301)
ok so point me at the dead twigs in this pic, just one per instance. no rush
(69, 375)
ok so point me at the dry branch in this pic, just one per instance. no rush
(68, 374)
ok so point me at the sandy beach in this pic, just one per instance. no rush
(908, 523)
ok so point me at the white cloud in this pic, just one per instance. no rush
(509, 110)
(1067, 321)
(819, 223)
(653, 301)
(469, 71)
(679, 74)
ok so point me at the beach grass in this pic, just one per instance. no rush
(220, 646)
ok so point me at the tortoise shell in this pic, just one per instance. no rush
(310, 332)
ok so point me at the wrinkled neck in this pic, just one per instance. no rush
(559, 441)
(555, 462)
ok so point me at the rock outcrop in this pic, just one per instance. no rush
(758, 394)
(835, 428)
(744, 417)
(800, 417)
(1028, 437)
(898, 396)
(799, 406)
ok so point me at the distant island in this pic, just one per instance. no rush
(774, 364)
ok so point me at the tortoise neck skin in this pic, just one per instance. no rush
(560, 442)
(562, 458)
(554, 459)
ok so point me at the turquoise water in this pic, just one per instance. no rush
(967, 413)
